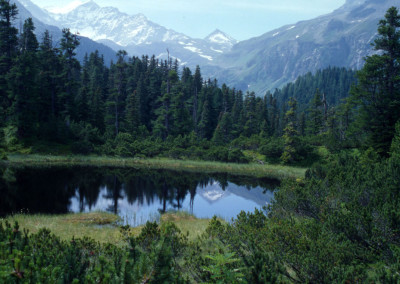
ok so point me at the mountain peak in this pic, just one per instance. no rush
(90, 4)
(217, 31)
(219, 37)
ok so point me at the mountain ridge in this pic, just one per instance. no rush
(138, 35)
(342, 38)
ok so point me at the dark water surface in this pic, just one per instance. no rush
(135, 195)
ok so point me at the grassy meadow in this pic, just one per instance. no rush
(103, 227)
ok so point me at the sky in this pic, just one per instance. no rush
(241, 19)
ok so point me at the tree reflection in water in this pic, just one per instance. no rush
(82, 189)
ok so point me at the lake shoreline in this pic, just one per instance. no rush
(255, 170)
(101, 226)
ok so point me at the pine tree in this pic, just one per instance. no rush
(97, 88)
(81, 99)
(237, 113)
(274, 115)
(251, 125)
(205, 129)
(290, 133)
(222, 133)
(315, 115)
(182, 120)
(163, 123)
(49, 85)
(133, 118)
(22, 83)
(117, 94)
(8, 51)
(377, 96)
(71, 74)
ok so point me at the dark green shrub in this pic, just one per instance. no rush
(273, 150)
(236, 156)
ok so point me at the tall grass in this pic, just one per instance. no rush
(101, 226)
(253, 169)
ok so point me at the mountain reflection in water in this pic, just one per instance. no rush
(135, 195)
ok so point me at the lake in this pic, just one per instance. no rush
(135, 195)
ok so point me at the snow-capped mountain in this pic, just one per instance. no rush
(108, 23)
(136, 34)
(220, 41)
(43, 22)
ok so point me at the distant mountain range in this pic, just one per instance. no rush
(135, 33)
(342, 38)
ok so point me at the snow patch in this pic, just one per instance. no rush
(206, 57)
(292, 27)
(275, 34)
(218, 38)
(216, 50)
(193, 49)
(297, 36)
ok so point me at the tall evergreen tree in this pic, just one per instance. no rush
(22, 82)
(377, 96)
(8, 51)
(205, 129)
(222, 134)
(315, 115)
(290, 133)
(251, 125)
(182, 120)
(49, 87)
(133, 118)
(81, 99)
(71, 75)
(118, 91)
(237, 113)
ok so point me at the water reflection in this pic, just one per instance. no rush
(136, 195)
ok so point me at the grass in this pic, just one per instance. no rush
(101, 226)
(187, 223)
(96, 225)
(253, 169)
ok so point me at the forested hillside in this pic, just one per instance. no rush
(149, 107)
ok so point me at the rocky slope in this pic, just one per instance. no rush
(342, 38)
